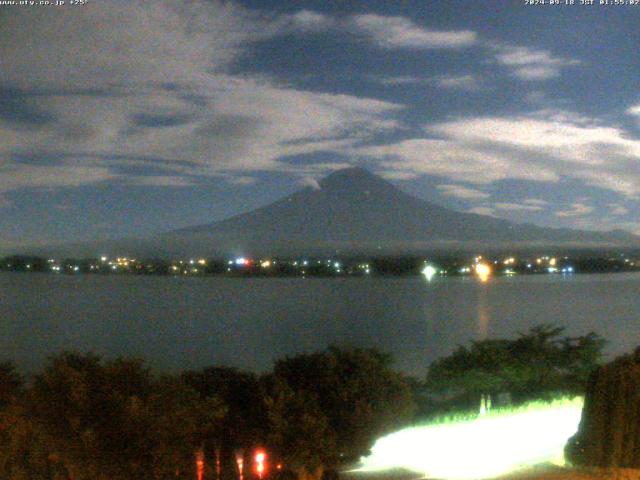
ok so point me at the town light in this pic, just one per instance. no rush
(428, 272)
(483, 271)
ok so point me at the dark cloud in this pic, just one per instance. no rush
(20, 111)
(150, 120)
(227, 126)
(39, 158)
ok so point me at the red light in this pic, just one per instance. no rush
(260, 459)
(200, 466)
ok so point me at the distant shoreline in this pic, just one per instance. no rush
(478, 266)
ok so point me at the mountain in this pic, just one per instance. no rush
(355, 210)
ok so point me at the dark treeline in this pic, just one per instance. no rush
(82, 417)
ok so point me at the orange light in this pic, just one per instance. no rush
(260, 459)
(200, 464)
(483, 271)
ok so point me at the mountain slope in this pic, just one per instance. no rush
(352, 211)
(356, 210)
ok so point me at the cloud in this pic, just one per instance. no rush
(161, 181)
(618, 209)
(545, 146)
(400, 32)
(634, 110)
(402, 80)
(390, 32)
(467, 83)
(161, 41)
(19, 176)
(532, 64)
(460, 191)
(63, 207)
(576, 209)
(5, 202)
(517, 207)
(483, 211)
(310, 182)
(456, 160)
(459, 82)
(241, 180)
(150, 87)
(308, 21)
(535, 202)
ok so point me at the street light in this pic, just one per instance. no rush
(260, 462)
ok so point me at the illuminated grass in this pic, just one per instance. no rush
(495, 444)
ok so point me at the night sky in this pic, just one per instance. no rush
(121, 118)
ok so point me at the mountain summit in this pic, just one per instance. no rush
(355, 210)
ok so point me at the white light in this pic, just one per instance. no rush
(500, 442)
(240, 261)
(429, 272)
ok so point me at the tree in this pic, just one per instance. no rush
(180, 422)
(299, 432)
(93, 415)
(11, 383)
(609, 431)
(244, 424)
(112, 420)
(355, 389)
(537, 365)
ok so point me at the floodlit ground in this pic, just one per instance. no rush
(496, 444)
(543, 472)
(561, 473)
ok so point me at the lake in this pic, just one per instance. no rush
(184, 323)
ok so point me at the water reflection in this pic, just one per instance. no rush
(483, 313)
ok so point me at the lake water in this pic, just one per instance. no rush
(180, 323)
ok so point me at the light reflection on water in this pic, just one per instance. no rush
(483, 314)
